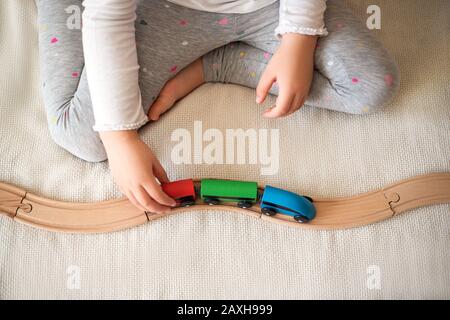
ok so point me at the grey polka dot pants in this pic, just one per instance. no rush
(353, 73)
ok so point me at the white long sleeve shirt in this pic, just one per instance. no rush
(111, 57)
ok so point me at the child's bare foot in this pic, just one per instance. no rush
(176, 88)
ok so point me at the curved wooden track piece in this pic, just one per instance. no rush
(112, 215)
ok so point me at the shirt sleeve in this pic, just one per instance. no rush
(302, 16)
(111, 64)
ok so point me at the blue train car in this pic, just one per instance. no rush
(275, 200)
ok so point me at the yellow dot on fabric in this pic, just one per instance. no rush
(253, 74)
(365, 109)
(53, 119)
(242, 54)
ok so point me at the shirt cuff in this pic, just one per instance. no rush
(120, 126)
(291, 28)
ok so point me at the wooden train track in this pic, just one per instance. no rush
(118, 214)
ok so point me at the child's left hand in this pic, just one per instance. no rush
(291, 67)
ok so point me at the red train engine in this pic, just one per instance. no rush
(183, 191)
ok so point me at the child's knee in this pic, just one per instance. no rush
(382, 86)
(85, 145)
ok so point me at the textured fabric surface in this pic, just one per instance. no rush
(217, 254)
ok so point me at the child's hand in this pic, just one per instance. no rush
(135, 169)
(292, 68)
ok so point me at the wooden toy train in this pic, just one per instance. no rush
(245, 194)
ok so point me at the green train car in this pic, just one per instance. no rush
(214, 191)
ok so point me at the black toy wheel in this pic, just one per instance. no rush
(268, 211)
(187, 203)
(211, 201)
(301, 219)
(308, 198)
(244, 204)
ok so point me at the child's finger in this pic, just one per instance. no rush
(282, 107)
(296, 104)
(161, 105)
(146, 200)
(264, 85)
(159, 172)
(134, 201)
(156, 192)
(156, 109)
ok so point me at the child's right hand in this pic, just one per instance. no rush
(135, 170)
(292, 67)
